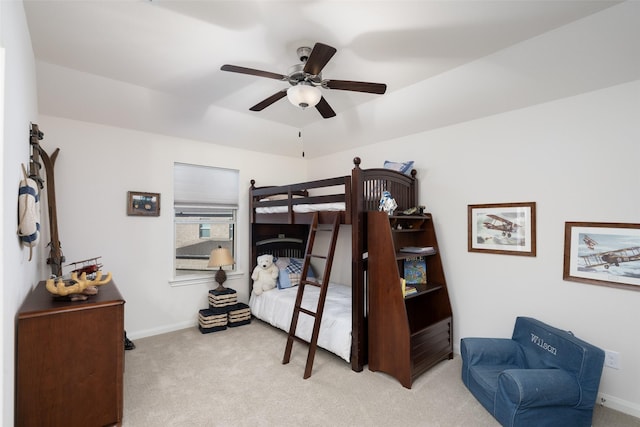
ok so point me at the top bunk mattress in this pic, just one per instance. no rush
(276, 307)
(304, 208)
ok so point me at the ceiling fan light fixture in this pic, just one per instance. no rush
(304, 95)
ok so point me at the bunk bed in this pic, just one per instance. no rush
(280, 218)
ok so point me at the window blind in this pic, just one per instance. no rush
(198, 187)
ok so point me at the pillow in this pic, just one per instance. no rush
(281, 262)
(290, 272)
(404, 167)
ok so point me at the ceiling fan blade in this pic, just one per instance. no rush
(378, 88)
(251, 71)
(270, 100)
(325, 109)
(320, 55)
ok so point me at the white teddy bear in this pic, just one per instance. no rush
(265, 274)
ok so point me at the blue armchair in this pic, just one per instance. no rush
(542, 376)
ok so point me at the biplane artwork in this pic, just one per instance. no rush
(609, 258)
(591, 244)
(505, 228)
(501, 224)
(602, 253)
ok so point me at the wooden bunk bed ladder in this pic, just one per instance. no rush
(322, 283)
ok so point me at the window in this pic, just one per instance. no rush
(205, 230)
(205, 212)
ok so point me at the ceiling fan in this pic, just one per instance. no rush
(305, 79)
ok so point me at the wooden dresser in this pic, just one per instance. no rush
(70, 359)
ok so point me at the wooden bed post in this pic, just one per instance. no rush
(414, 188)
(358, 239)
(252, 244)
(252, 212)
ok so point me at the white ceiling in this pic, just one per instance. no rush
(174, 49)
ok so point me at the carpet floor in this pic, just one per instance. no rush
(235, 378)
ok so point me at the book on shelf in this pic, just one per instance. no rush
(410, 290)
(425, 250)
(415, 271)
(407, 289)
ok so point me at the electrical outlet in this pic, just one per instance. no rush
(612, 359)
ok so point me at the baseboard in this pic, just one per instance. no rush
(618, 404)
(134, 335)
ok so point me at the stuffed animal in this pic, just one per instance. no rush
(265, 274)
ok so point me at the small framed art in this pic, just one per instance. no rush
(602, 253)
(502, 228)
(143, 204)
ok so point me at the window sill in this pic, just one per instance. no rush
(200, 279)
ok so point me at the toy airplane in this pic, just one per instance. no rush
(88, 266)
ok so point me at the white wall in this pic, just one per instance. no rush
(96, 167)
(18, 109)
(577, 158)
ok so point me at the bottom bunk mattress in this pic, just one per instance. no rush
(276, 307)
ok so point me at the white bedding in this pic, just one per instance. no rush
(303, 208)
(276, 308)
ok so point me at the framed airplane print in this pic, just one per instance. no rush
(602, 253)
(502, 228)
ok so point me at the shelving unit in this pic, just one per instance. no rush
(407, 335)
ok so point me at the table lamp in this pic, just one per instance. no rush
(218, 258)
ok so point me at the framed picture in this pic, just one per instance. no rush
(143, 204)
(503, 228)
(602, 253)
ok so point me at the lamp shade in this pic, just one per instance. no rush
(304, 95)
(220, 257)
